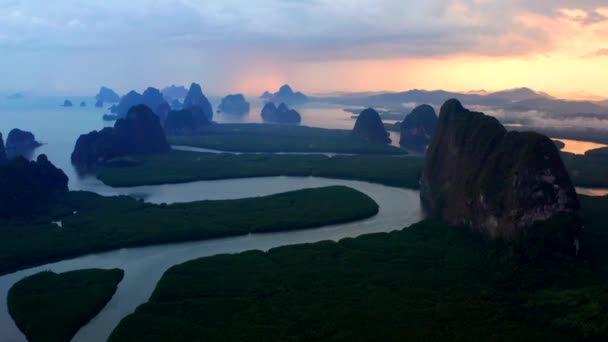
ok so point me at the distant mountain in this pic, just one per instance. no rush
(285, 95)
(553, 106)
(478, 92)
(520, 94)
(175, 92)
(579, 96)
(518, 99)
(603, 103)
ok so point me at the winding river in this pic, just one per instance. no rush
(144, 266)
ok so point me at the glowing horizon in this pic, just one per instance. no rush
(317, 46)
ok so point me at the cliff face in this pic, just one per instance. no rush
(497, 182)
(369, 127)
(2, 150)
(418, 128)
(196, 98)
(139, 133)
(29, 188)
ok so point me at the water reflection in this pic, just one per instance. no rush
(579, 147)
(592, 191)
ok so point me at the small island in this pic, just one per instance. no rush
(67, 103)
(234, 105)
(280, 115)
(52, 307)
(139, 133)
(285, 95)
(107, 95)
(20, 143)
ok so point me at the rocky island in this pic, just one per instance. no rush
(29, 188)
(139, 133)
(151, 97)
(285, 95)
(418, 128)
(98, 104)
(498, 183)
(281, 114)
(83, 104)
(107, 95)
(67, 103)
(196, 98)
(234, 104)
(20, 142)
(369, 127)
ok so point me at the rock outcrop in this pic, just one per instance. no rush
(151, 97)
(83, 104)
(286, 95)
(30, 188)
(185, 121)
(3, 157)
(175, 92)
(131, 99)
(370, 127)
(282, 114)
(110, 117)
(20, 143)
(234, 104)
(107, 95)
(98, 104)
(67, 103)
(139, 133)
(266, 96)
(196, 98)
(418, 128)
(498, 183)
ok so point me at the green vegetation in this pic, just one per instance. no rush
(50, 307)
(180, 167)
(105, 223)
(281, 138)
(587, 170)
(428, 282)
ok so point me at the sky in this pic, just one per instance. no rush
(317, 46)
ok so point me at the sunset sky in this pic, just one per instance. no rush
(73, 47)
